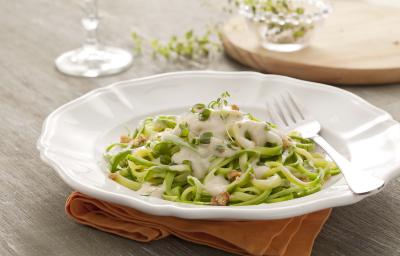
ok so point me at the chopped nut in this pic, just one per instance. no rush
(124, 139)
(112, 176)
(139, 141)
(234, 107)
(233, 175)
(221, 199)
(304, 179)
(286, 141)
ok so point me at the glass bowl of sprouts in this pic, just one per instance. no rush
(284, 25)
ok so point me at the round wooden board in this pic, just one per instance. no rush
(359, 44)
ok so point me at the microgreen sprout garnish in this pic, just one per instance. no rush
(198, 107)
(205, 138)
(220, 148)
(220, 102)
(204, 114)
(195, 141)
(184, 129)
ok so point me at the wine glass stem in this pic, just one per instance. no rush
(90, 23)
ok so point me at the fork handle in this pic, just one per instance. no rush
(359, 182)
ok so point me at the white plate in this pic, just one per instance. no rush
(74, 136)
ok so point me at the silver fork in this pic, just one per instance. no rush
(290, 115)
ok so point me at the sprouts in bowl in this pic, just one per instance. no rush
(284, 25)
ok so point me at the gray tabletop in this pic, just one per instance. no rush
(32, 196)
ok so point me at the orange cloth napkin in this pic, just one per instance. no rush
(287, 237)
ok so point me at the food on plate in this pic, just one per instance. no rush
(216, 154)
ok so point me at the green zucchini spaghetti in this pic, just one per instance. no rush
(216, 154)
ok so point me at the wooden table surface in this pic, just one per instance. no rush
(32, 196)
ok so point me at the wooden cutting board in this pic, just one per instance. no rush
(359, 44)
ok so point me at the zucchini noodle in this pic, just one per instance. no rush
(217, 155)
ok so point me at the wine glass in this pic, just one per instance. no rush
(93, 59)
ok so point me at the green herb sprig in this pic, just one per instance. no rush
(137, 43)
(188, 46)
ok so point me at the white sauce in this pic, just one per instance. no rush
(211, 149)
(259, 135)
(215, 185)
(149, 190)
(201, 161)
(200, 164)
(214, 123)
(165, 132)
(219, 122)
